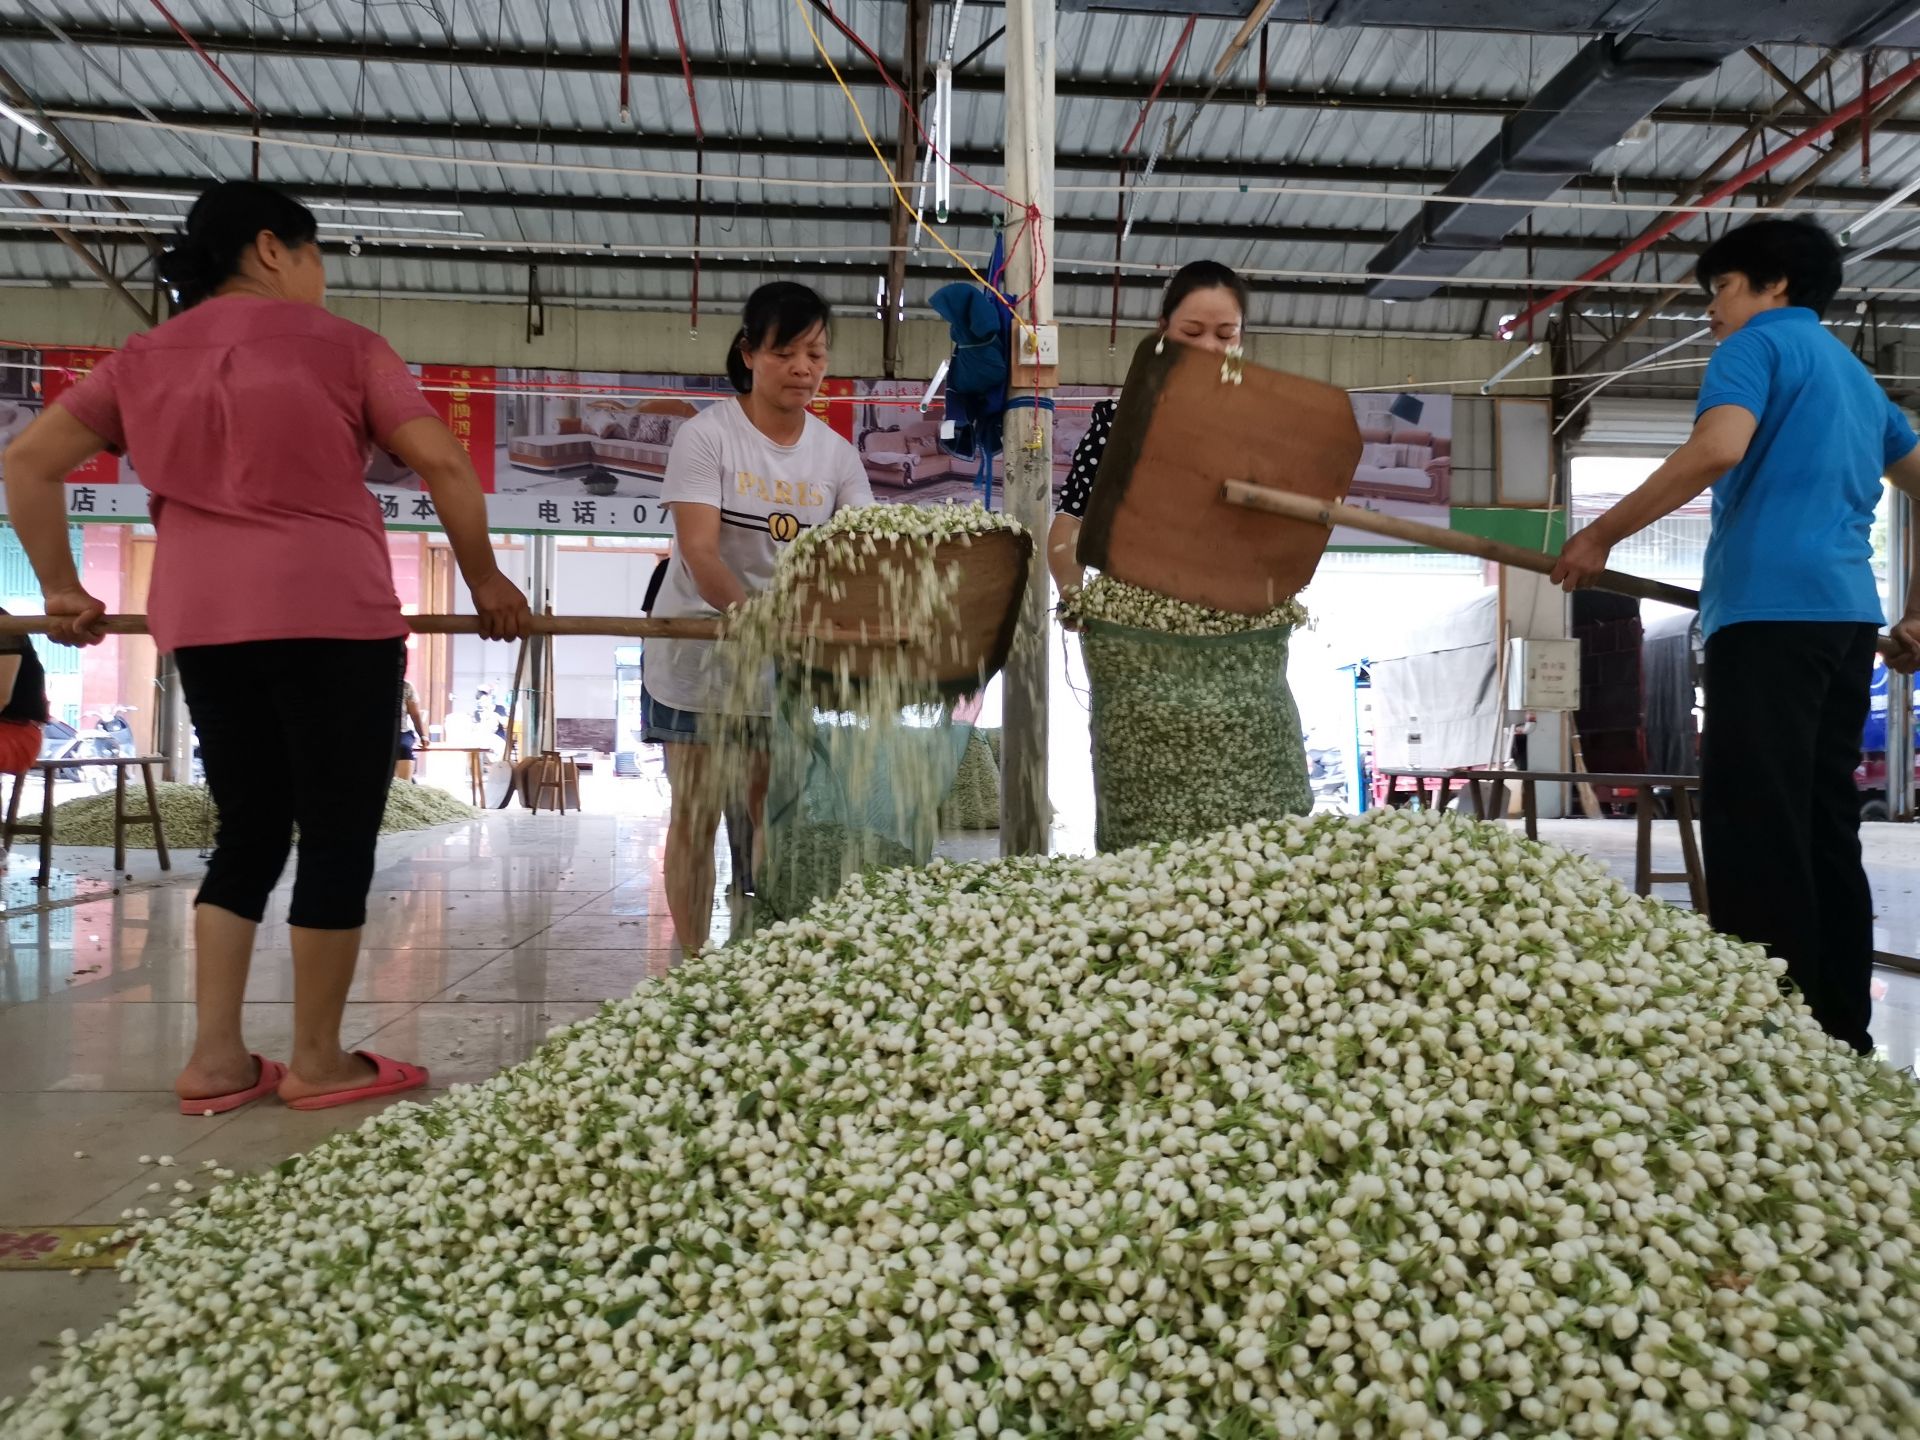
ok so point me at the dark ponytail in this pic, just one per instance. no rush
(223, 222)
(776, 314)
(1198, 276)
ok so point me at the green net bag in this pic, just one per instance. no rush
(851, 793)
(974, 801)
(1191, 733)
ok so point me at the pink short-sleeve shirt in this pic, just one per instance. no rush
(250, 421)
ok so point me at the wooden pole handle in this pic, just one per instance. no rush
(1331, 513)
(626, 627)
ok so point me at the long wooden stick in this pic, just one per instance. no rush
(1331, 514)
(624, 626)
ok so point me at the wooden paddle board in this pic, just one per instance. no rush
(1158, 517)
(960, 649)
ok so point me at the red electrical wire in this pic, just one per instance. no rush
(699, 153)
(912, 111)
(1119, 242)
(211, 63)
(1139, 124)
(1166, 73)
(1866, 119)
(1032, 217)
(511, 389)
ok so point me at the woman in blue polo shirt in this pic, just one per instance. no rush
(1793, 435)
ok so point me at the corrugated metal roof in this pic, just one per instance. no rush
(543, 115)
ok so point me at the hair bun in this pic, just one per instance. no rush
(189, 269)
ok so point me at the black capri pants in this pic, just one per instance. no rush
(296, 732)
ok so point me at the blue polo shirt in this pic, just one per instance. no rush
(1793, 521)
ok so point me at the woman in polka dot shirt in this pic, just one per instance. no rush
(1205, 306)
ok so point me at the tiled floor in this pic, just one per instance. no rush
(483, 938)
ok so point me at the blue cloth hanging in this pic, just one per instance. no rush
(980, 322)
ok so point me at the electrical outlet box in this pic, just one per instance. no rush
(1543, 675)
(1038, 344)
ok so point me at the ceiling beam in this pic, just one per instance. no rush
(52, 231)
(717, 69)
(661, 145)
(1845, 140)
(1095, 277)
(1796, 89)
(1687, 194)
(968, 220)
(76, 157)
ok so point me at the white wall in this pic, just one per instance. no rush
(476, 661)
(586, 582)
(594, 582)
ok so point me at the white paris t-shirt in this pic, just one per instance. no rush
(767, 494)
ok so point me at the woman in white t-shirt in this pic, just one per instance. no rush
(744, 478)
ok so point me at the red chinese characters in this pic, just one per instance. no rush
(463, 396)
(61, 370)
(835, 406)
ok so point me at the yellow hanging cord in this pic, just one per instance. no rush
(887, 170)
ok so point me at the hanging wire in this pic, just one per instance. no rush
(1307, 190)
(1033, 219)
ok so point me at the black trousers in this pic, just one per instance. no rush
(296, 732)
(1786, 702)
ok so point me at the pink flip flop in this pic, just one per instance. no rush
(392, 1078)
(272, 1072)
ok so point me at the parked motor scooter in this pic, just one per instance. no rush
(110, 737)
(114, 733)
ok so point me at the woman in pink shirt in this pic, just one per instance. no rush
(250, 416)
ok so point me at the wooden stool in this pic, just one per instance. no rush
(1434, 789)
(1486, 792)
(13, 827)
(552, 776)
(123, 818)
(477, 756)
(1645, 877)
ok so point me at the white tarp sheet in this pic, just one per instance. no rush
(1435, 704)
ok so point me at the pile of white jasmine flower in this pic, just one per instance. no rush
(1397, 1127)
(1104, 598)
(842, 540)
(901, 547)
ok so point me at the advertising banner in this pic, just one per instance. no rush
(585, 452)
(1406, 463)
(463, 396)
(61, 370)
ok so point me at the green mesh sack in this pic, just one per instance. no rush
(1191, 733)
(849, 794)
(974, 801)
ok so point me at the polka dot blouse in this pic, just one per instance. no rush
(1086, 460)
